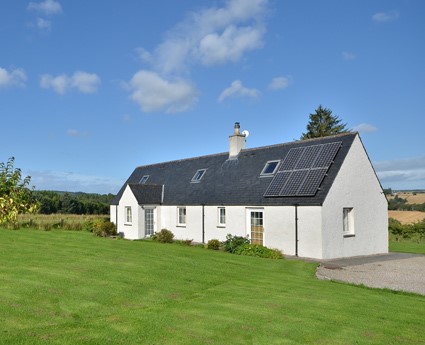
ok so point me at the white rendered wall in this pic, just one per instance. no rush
(310, 231)
(129, 230)
(113, 213)
(356, 186)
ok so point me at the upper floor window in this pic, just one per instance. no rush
(270, 168)
(198, 175)
(144, 179)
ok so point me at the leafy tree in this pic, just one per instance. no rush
(322, 124)
(15, 196)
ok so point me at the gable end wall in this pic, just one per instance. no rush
(356, 186)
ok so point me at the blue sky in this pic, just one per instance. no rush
(91, 89)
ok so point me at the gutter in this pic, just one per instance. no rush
(296, 229)
(203, 223)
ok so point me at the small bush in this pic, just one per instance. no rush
(104, 228)
(164, 236)
(213, 244)
(258, 251)
(233, 242)
(88, 225)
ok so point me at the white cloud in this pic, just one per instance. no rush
(43, 24)
(75, 133)
(212, 36)
(230, 45)
(154, 93)
(46, 7)
(14, 77)
(83, 81)
(348, 55)
(383, 17)
(73, 182)
(280, 83)
(365, 128)
(238, 90)
(144, 55)
(408, 173)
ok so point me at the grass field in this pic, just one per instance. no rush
(407, 247)
(66, 287)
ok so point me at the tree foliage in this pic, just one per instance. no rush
(72, 203)
(15, 196)
(322, 124)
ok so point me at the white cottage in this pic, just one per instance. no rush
(317, 198)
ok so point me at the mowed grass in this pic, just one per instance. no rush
(407, 247)
(64, 287)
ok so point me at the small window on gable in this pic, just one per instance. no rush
(348, 221)
(198, 175)
(270, 168)
(144, 179)
(128, 217)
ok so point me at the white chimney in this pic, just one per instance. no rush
(236, 141)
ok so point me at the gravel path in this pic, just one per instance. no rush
(396, 271)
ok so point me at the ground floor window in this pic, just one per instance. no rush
(149, 222)
(257, 227)
(181, 216)
(221, 216)
(348, 221)
(128, 216)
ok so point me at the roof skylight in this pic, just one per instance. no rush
(198, 175)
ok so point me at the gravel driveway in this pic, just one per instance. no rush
(396, 271)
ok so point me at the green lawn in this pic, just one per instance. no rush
(63, 287)
(407, 247)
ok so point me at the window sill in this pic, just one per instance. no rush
(181, 225)
(349, 235)
(221, 226)
(128, 224)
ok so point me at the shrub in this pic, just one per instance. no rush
(258, 251)
(88, 225)
(104, 228)
(233, 242)
(164, 236)
(213, 244)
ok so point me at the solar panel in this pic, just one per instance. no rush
(291, 159)
(312, 182)
(308, 157)
(294, 182)
(327, 155)
(303, 170)
(277, 183)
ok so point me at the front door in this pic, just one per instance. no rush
(149, 222)
(255, 223)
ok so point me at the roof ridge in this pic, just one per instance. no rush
(249, 149)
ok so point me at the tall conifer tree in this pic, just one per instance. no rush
(322, 124)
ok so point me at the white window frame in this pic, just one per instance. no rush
(181, 216)
(128, 215)
(348, 221)
(263, 173)
(144, 179)
(220, 221)
(198, 175)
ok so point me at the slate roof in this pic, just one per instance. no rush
(229, 182)
(147, 194)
